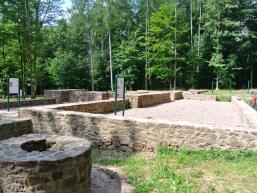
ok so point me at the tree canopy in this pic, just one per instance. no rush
(154, 44)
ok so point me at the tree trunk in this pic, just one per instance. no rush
(3, 53)
(37, 33)
(175, 49)
(217, 82)
(199, 42)
(146, 39)
(191, 22)
(23, 78)
(91, 63)
(110, 54)
(102, 51)
(252, 69)
(30, 49)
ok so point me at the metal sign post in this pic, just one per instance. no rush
(13, 87)
(119, 93)
(248, 86)
(115, 96)
(212, 87)
(230, 86)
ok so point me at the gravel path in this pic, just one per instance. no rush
(203, 112)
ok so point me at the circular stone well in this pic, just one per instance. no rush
(42, 163)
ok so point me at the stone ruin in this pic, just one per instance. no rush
(45, 163)
(50, 163)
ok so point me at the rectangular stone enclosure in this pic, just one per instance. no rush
(26, 103)
(134, 134)
(75, 95)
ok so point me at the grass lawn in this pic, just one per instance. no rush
(225, 95)
(14, 98)
(186, 170)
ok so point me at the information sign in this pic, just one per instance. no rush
(120, 87)
(14, 86)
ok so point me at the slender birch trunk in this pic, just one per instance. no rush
(199, 42)
(23, 68)
(217, 82)
(175, 49)
(29, 48)
(110, 54)
(191, 22)
(146, 39)
(91, 63)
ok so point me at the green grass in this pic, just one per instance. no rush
(14, 98)
(186, 170)
(241, 92)
(225, 95)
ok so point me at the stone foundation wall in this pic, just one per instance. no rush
(14, 127)
(194, 91)
(26, 103)
(176, 95)
(60, 96)
(8, 115)
(110, 132)
(75, 95)
(188, 96)
(104, 106)
(248, 114)
(82, 96)
(148, 99)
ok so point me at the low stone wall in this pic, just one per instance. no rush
(75, 95)
(26, 103)
(4, 114)
(60, 96)
(141, 100)
(188, 96)
(104, 106)
(248, 114)
(82, 96)
(176, 95)
(111, 132)
(14, 127)
(195, 91)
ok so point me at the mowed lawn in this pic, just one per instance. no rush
(225, 95)
(186, 170)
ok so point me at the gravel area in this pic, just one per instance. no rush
(201, 112)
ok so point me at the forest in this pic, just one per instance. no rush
(153, 44)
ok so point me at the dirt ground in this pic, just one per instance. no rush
(190, 111)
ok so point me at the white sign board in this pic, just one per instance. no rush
(120, 87)
(14, 86)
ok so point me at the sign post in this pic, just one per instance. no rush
(212, 85)
(119, 93)
(13, 88)
(230, 86)
(115, 96)
(248, 86)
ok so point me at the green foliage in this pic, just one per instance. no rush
(36, 42)
(66, 71)
(125, 59)
(162, 42)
